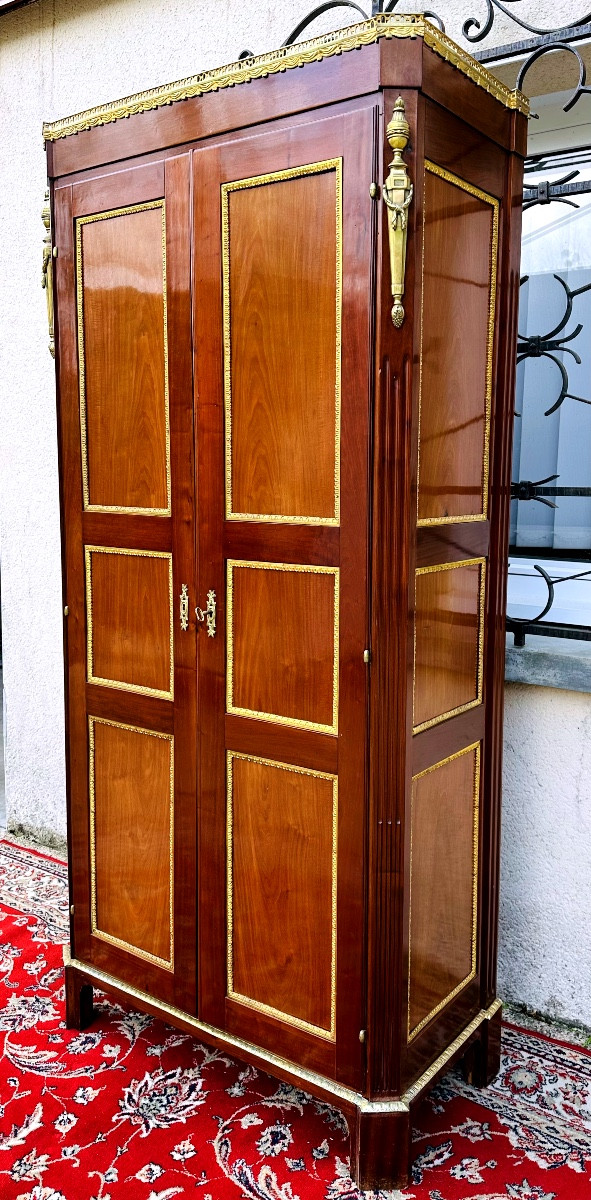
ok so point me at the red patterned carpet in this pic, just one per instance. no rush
(133, 1110)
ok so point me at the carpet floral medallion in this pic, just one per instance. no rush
(134, 1110)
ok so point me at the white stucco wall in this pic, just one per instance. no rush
(545, 920)
(60, 56)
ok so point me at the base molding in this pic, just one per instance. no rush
(375, 1125)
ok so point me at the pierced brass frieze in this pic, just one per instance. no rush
(397, 25)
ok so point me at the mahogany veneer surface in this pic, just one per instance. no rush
(447, 640)
(125, 376)
(131, 619)
(133, 822)
(456, 298)
(442, 883)
(283, 346)
(281, 885)
(283, 642)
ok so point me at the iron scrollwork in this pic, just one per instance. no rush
(378, 7)
(545, 191)
(545, 41)
(519, 626)
(475, 31)
(541, 345)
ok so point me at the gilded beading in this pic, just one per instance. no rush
(166, 964)
(475, 750)
(257, 1005)
(454, 712)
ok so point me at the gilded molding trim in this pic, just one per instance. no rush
(312, 50)
(433, 169)
(454, 712)
(138, 689)
(267, 1060)
(80, 222)
(473, 749)
(336, 165)
(485, 1014)
(257, 1005)
(293, 722)
(167, 964)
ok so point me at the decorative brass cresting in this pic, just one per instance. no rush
(47, 269)
(398, 191)
(208, 614)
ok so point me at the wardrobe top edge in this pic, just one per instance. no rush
(287, 57)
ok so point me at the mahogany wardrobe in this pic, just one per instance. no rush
(285, 321)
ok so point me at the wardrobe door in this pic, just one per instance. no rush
(125, 400)
(283, 254)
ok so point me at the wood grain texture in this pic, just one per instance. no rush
(448, 737)
(132, 832)
(392, 582)
(184, 539)
(284, 293)
(340, 80)
(315, 545)
(124, 354)
(460, 148)
(348, 134)
(73, 593)
(122, 530)
(281, 886)
(442, 883)
(448, 619)
(130, 633)
(456, 297)
(301, 747)
(126, 532)
(449, 543)
(283, 643)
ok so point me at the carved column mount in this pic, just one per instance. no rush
(398, 192)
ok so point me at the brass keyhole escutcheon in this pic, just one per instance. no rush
(208, 614)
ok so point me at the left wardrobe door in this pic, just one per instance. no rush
(126, 444)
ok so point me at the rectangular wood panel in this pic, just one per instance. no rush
(283, 634)
(449, 640)
(123, 353)
(129, 620)
(281, 845)
(131, 830)
(282, 344)
(460, 242)
(443, 884)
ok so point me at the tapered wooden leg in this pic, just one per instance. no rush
(79, 1010)
(482, 1064)
(381, 1150)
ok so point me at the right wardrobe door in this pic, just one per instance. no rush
(283, 250)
